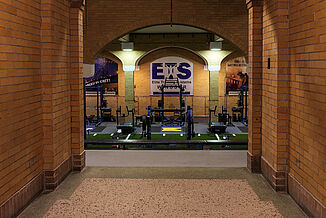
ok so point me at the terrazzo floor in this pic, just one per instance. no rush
(97, 197)
(163, 192)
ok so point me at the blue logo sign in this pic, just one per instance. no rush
(171, 68)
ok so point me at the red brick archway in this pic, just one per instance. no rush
(215, 16)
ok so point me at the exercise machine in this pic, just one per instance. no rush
(106, 112)
(240, 113)
(171, 84)
(103, 112)
(179, 117)
(217, 127)
(125, 127)
(173, 122)
(224, 117)
(92, 119)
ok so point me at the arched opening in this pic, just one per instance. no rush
(180, 30)
(41, 103)
(206, 95)
(230, 24)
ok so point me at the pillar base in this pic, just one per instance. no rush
(17, 202)
(78, 161)
(277, 179)
(52, 178)
(253, 163)
(305, 199)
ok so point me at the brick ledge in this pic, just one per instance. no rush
(311, 205)
(23, 197)
(253, 163)
(52, 178)
(277, 179)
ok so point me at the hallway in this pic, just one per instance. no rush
(179, 75)
(208, 187)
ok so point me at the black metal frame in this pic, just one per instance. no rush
(122, 143)
(99, 104)
(212, 127)
(125, 127)
(172, 83)
(242, 107)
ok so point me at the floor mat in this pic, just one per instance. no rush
(99, 129)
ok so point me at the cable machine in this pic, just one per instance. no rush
(242, 108)
(125, 127)
(103, 112)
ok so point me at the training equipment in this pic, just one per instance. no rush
(240, 113)
(103, 112)
(224, 117)
(171, 84)
(125, 127)
(216, 127)
(106, 112)
(180, 115)
(175, 122)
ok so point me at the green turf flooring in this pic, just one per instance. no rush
(168, 137)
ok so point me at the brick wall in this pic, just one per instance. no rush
(20, 95)
(36, 101)
(307, 124)
(293, 98)
(269, 94)
(226, 17)
(55, 82)
(255, 24)
(275, 100)
(41, 101)
(76, 84)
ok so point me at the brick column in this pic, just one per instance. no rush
(76, 83)
(275, 128)
(255, 85)
(55, 64)
(129, 92)
(283, 93)
(213, 92)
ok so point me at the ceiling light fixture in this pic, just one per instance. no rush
(215, 46)
(127, 46)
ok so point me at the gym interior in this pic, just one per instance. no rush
(174, 93)
(143, 103)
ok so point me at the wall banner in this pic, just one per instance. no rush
(171, 68)
(236, 75)
(105, 72)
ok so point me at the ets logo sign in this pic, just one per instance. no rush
(171, 68)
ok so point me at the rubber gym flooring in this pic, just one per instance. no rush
(201, 127)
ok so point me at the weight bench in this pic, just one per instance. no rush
(217, 127)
